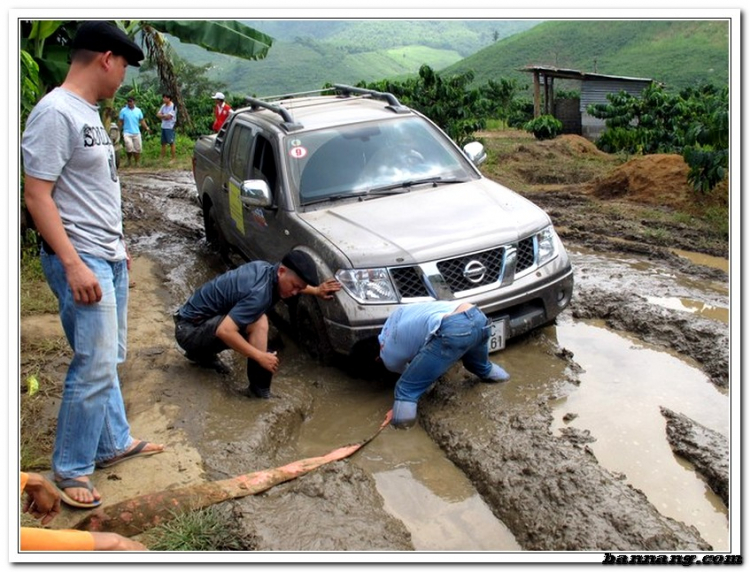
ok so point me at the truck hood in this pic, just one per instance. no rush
(427, 224)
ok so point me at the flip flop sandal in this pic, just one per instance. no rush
(76, 484)
(136, 451)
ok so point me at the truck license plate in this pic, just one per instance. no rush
(497, 335)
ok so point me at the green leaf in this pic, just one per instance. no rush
(43, 29)
(223, 36)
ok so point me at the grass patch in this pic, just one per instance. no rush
(718, 219)
(37, 415)
(206, 530)
(35, 295)
(151, 155)
(521, 162)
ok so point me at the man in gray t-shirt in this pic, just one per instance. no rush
(72, 192)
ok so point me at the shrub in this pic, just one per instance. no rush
(544, 127)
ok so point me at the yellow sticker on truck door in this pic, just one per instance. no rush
(235, 207)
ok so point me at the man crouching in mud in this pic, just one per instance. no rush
(229, 312)
(422, 341)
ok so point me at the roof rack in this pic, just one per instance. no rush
(393, 102)
(289, 123)
(284, 96)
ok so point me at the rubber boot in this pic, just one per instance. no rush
(259, 378)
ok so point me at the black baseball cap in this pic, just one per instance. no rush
(101, 36)
(302, 265)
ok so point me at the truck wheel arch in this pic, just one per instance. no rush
(215, 237)
(311, 331)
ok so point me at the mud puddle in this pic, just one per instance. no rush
(419, 486)
(619, 388)
(624, 383)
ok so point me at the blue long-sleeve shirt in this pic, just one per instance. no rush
(407, 329)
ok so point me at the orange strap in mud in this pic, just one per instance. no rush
(133, 516)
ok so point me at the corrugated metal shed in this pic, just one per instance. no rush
(594, 89)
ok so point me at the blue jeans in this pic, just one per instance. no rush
(91, 425)
(460, 336)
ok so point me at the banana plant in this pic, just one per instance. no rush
(48, 44)
(227, 37)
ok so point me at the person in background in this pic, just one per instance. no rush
(422, 341)
(168, 115)
(230, 312)
(221, 110)
(131, 120)
(42, 501)
(72, 191)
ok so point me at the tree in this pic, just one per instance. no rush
(458, 110)
(48, 44)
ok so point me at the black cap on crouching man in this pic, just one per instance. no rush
(101, 36)
(302, 265)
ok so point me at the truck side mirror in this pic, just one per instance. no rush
(475, 152)
(256, 193)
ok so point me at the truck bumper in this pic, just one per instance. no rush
(524, 312)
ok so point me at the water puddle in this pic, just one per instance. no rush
(419, 485)
(623, 385)
(693, 306)
(704, 259)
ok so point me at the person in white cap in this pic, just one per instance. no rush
(221, 110)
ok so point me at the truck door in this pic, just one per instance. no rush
(254, 228)
(237, 169)
(264, 226)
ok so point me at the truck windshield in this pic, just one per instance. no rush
(356, 159)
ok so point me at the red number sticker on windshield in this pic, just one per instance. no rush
(297, 152)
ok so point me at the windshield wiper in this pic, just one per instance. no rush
(331, 198)
(405, 186)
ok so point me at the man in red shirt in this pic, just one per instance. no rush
(221, 110)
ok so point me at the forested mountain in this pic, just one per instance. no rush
(306, 54)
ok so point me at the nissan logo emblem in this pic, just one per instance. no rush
(474, 271)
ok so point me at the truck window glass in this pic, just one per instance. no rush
(264, 162)
(239, 146)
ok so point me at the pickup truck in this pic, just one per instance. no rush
(384, 201)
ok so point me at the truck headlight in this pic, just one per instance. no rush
(546, 245)
(367, 284)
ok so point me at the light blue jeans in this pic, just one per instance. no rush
(91, 425)
(460, 336)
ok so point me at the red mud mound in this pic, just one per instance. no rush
(650, 179)
(659, 180)
(572, 146)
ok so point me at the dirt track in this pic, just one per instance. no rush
(549, 490)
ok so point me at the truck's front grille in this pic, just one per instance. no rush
(462, 274)
(525, 254)
(473, 270)
(409, 282)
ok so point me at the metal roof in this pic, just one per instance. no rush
(563, 73)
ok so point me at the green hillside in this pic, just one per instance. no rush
(677, 53)
(463, 36)
(307, 54)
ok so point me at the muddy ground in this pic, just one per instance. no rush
(548, 489)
